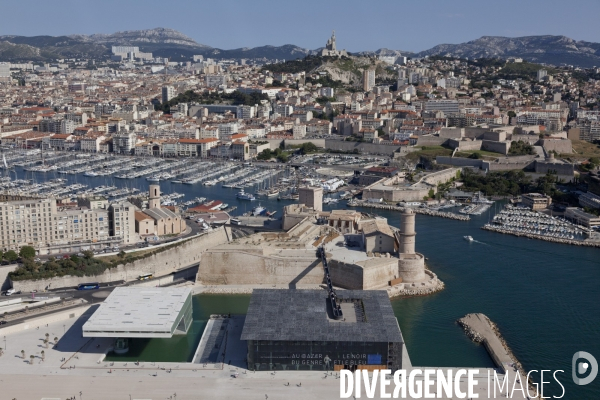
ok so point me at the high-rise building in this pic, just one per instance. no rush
(57, 125)
(541, 74)
(122, 222)
(216, 80)
(124, 142)
(368, 79)
(446, 106)
(4, 70)
(41, 224)
(168, 92)
(125, 49)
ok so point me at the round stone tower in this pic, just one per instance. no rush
(154, 200)
(407, 232)
(411, 265)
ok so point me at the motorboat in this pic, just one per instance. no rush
(468, 238)
(245, 196)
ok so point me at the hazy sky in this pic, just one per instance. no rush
(359, 25)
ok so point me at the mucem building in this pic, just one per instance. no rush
(298, 330)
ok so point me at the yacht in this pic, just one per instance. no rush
(258, 210)
(245, 196)
(273, 193)
(468, 238)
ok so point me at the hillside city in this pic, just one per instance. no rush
(421, 115)
(133, 187)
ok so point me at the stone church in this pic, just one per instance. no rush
(158, 221)
(330, 49)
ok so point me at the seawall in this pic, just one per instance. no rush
(573, 242)
(424, 211)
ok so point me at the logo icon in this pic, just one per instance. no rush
(581, 367)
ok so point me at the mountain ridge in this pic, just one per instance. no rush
(166, 42)
(549, 49)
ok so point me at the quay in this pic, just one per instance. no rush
(425, 211)
(574, 242)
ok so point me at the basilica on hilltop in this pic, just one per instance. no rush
(330, 49)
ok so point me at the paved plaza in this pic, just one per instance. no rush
(73, 365)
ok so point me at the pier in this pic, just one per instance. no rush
(574, 242)
(480, 329)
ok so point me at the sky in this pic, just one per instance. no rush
(359, 24)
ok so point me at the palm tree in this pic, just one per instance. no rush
(23, 354)
(31, 357)
(46, 342)
(43, 355)
(55, 340)
(47, 336)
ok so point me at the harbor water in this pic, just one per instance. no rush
(543, 296)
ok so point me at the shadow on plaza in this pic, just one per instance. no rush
(71, 338)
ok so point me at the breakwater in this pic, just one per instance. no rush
(573, 242)
(480, 329)
(425, 211)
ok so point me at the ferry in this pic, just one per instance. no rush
(245, 196)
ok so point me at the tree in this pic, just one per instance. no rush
(23, 354)
(43, 355)
(55, 340)
(431, 193)
(1, 255)
(11, 256)
(27, 252)
(88, 254)
(511, 114)
(1, 351)
(283, 157)
(308, 147)
(266, 154)
(31, 357)
(121, 254)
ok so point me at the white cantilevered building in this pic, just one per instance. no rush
(142, 312)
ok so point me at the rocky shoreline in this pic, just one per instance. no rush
(433, 285)
(424, 211)
(542, 237)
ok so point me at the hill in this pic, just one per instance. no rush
(161, 42)
(556, 50)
